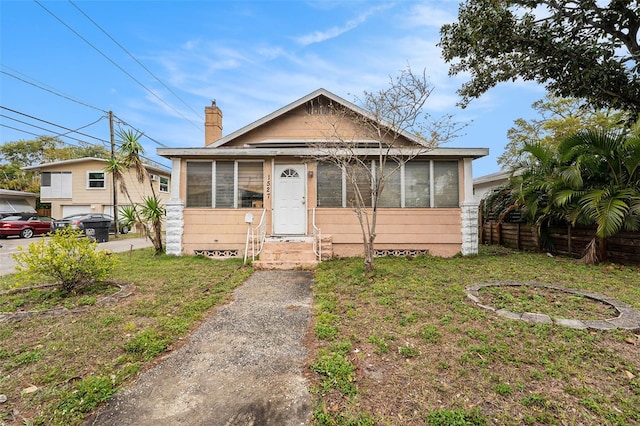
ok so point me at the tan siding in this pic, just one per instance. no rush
(298, 125)
(216, 229)
(437, 230)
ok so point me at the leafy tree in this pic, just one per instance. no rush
(558, 119)
(584, 49)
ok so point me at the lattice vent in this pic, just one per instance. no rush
(400, 252)
(217, 254)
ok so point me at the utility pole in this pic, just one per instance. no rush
(113, 180)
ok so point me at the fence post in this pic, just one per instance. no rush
(570, 249)
(518, 236)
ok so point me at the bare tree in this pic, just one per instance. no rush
(371, 143)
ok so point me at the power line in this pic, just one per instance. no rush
(121, 121)
(57, 93)
(146, 160)
(135, 59)
(46, 130)
(46, 89)
(115, 64)
(53, 124)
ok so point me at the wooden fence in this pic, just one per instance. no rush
(623, 248)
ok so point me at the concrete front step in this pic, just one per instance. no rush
(289, 254)
(285, 266)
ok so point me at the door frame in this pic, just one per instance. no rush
(275, 195)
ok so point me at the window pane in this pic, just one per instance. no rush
(416, 184)
(96, 180)
(45, 179)
(164, 184)
(390, 196)
(329, 181)
(360, 176)
(199, 184)
(250, 187)
(224, 183)
(445, 176)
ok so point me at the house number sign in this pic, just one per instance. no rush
(268, 187)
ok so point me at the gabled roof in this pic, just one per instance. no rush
(302, 101)
(159, 168)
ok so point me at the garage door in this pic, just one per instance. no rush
(69, 210)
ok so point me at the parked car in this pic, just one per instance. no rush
(77, 221)
(25, 225)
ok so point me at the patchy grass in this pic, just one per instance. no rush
(56, 370)
(406, 347)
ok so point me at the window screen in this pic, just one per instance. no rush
(199, 190)
(445, 177)
(391, 194)
(329, 181)
(224, 184)
(250, 186)
(358, 176)
(416, 184)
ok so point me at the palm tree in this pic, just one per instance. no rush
(592, 179)
(153, 211)
(130, 157)
(607, 166)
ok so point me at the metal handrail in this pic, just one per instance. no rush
(317, 237)
(259, 234)
(256, 235)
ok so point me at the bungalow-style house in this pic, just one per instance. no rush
(17, 202)
(269, 175)
(82, 186)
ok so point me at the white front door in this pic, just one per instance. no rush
(289, 200)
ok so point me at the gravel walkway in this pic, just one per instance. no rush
(243, 366)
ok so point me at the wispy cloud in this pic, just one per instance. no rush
(425, 15)
(320, 36)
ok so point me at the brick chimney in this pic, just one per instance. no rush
(212, 123)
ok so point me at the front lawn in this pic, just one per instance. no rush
(56, 370)
(406, 347)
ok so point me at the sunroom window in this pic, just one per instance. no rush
(407, 185)
(225, 184)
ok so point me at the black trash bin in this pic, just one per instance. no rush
(97, 230)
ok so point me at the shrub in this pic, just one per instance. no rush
(66, 258)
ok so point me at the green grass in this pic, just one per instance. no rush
(77, 360)
(423, 353)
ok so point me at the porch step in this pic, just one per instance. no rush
(287, 254)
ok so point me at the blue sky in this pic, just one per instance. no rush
(157, 64)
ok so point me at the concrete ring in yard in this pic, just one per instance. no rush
(628, 318)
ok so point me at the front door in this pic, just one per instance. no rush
(289, 200)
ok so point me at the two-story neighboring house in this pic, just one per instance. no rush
(82, 186)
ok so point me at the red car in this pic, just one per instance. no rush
(26, 225)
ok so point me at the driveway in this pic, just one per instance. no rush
(9, 246)
(243, 366)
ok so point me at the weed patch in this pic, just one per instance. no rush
(420, 352)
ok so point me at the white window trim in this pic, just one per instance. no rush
(104, 179)
(168, 185)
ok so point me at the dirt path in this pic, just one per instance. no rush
(243, 366)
